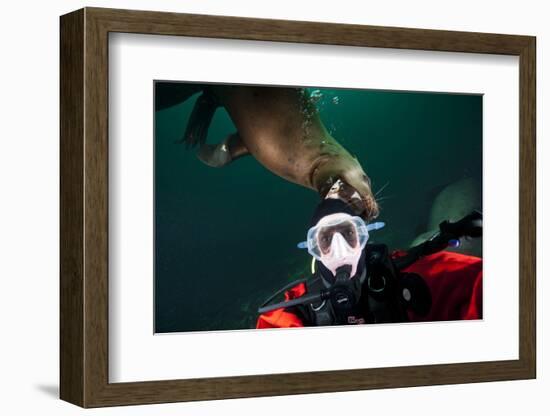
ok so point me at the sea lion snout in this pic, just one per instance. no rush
(360, 182)
(355, 186)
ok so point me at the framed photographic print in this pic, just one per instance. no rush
(256, 207)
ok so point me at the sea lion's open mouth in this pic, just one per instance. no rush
(364, 206)
(367, 208)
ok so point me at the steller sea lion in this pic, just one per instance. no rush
(281, 128)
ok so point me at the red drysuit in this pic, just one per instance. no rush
(455, 282)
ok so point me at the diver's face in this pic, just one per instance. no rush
(345, 229)
(337, 240)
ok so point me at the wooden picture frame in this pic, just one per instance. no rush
(84, 207)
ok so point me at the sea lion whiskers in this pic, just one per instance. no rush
(381, 189)
(372, 209)
(384, 198)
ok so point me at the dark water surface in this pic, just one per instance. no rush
(225, 239)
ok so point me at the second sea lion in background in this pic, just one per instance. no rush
(453, 202)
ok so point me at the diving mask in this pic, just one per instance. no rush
(338, 240)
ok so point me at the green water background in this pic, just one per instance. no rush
(225, 239)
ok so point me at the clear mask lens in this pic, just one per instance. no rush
(352, 229)
(346, 229)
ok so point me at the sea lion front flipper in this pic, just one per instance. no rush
(200, 119)
(221, 154)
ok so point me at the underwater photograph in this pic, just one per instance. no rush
(286, 206)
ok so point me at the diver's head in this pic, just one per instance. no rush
(337, 238)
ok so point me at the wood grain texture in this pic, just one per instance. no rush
(84, 207)
(71, 185)
(527, 208)
(226, 27)
(96, 218)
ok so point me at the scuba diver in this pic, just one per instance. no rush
(356, 282)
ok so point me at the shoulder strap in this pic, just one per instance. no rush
(320, 314)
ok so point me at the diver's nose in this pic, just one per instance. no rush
(339, 246)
